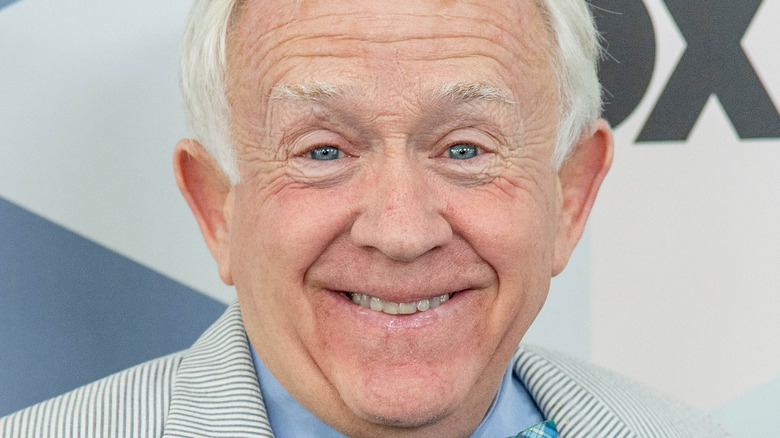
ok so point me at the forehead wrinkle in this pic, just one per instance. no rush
(312, 48)
(501, 40)
(260, 25)
(501, 55)
(260, 59)
(315, 44)
(378, 28)
(297, 11)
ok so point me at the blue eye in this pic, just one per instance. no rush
(463, 151)
(325, 153)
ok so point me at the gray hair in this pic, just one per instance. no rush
(204, 63)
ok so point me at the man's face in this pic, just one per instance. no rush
(400, 150)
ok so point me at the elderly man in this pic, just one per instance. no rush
(390, 187)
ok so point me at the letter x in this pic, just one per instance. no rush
(713, 63)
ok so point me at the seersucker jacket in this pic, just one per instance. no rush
(211, 390)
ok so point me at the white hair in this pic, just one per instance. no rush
(202, 74)
(575, 52)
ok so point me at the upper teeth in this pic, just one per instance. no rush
(392, 308)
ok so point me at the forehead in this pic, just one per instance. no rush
(391, 46)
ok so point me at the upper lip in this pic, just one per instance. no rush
(409, 299)
(403, 293)
(400, 284)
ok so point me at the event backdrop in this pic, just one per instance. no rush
(676, 282)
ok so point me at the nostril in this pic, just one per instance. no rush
(401, 235)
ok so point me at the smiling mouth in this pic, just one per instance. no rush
(392, 308)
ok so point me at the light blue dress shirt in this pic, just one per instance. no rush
(513, 409)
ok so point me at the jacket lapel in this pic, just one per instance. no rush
(562, 398)
(586, 401)
(215, 391)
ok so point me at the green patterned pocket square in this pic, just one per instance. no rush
(542, 430)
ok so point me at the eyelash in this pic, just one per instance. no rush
(471, 150)
(338, 153)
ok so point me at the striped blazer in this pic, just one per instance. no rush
(211, 390)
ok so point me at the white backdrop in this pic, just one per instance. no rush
(675, 283)
(685, 260)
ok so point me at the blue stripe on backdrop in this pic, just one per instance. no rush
(4, 3)
(72, 311)
(753, 414)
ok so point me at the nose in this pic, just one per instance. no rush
(401, 214)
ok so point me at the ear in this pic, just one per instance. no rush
(210, 196)
(579, 179)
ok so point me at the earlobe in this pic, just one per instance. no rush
(209, 195)
(580, 178)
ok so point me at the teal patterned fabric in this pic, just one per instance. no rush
(541, 430)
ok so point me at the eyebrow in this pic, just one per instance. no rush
(461, 92)
(474, 91)
(314, 92)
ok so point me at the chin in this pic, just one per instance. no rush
(408, 420)
(416, 405)
(405, 419)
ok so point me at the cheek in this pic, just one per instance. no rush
(283, 228)
(509, 224)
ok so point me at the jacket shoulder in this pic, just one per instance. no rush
(587, 401)
(133, 402)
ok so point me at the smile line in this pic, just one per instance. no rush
(392, 308)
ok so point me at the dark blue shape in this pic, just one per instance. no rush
(72, 311)
(4, 3)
